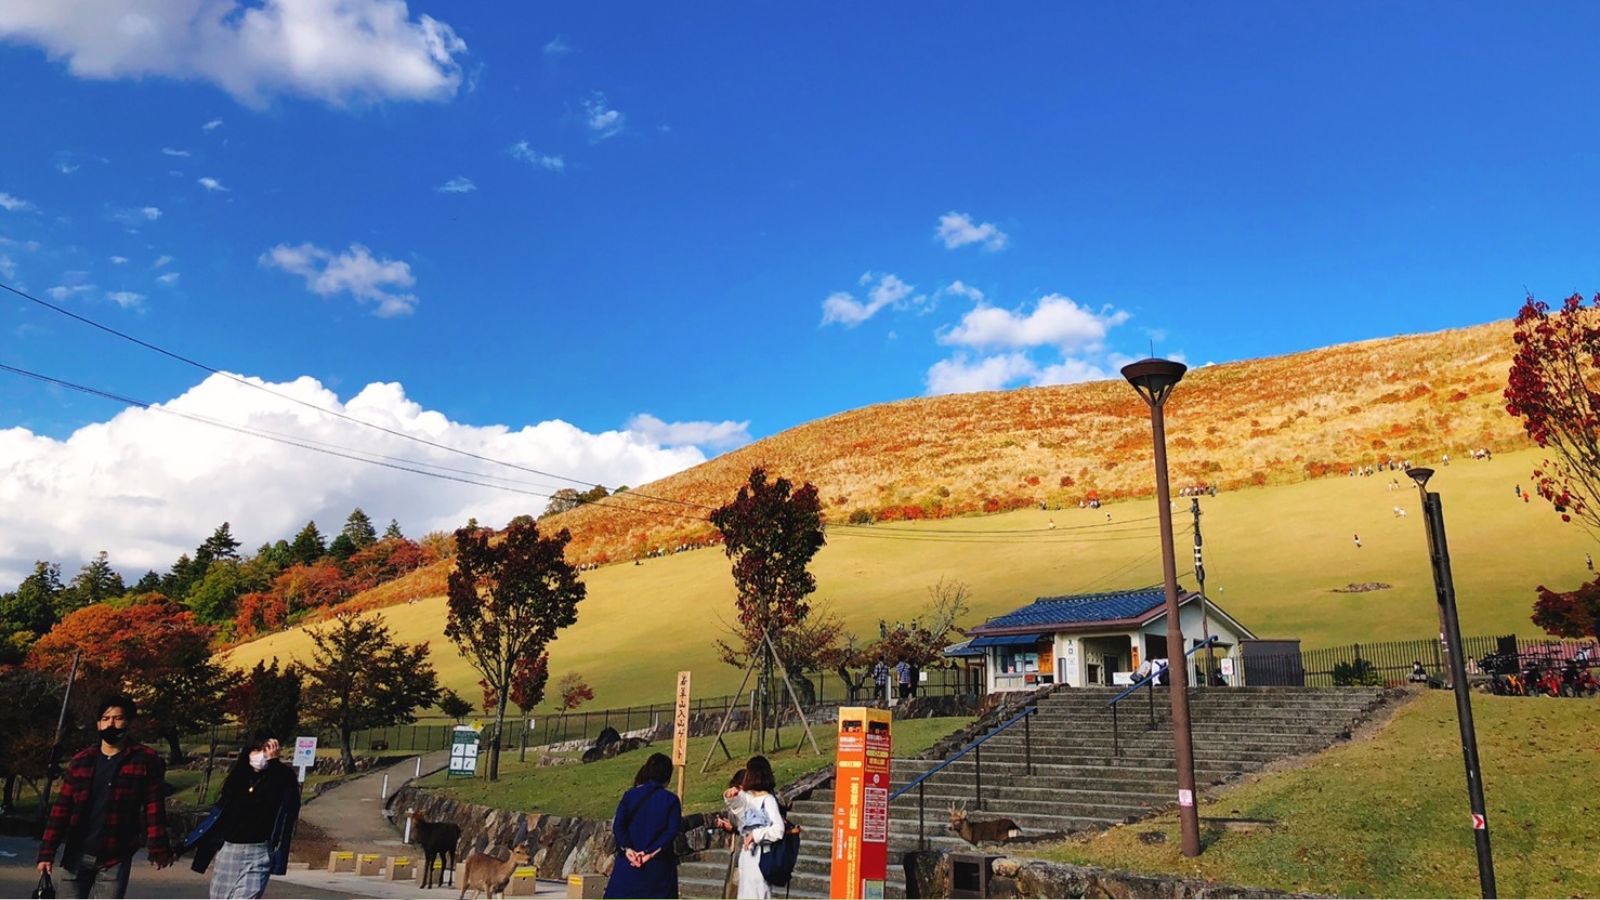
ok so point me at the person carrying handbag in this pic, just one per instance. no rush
(247, 834)
(760, 825)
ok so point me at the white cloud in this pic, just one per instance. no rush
(212, 125)
(151, 212)
(8, 266)
(15, 204)
(960, 375)
(558, 46)
(706, 435)
(961, 289)
(457, 185)
(171, 151)
(169, 279)
(603, 121)
(337, 51)
(125, 299)
(118, 260)
(957, 229)
(1055, 321)
(211, 184)
(67, 168)
(355, 271)
(521, 150)
(161, 261)
(147, 486)
(843, 308)
(63, 292)
(1070, 371)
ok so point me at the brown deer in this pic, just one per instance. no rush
(488, 875)
(991, 832)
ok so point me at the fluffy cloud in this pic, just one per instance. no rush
(161, 261)
(14, 204)
(170, 151)
(8, 266)
(169, 279)
(118, 260)
(957, 229)
(332, 51)
(521, 150)
(211, 126)
(355, 271)
(558, 46)
(843, 308)
(960, 375)
(210, 184)
(151, 213)
(707, 435)
(62, 292)
(126, 299)
(146, 486)
(457, 185)
(1055, 321)
(602, 120)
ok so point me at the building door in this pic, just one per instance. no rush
(1094, 674)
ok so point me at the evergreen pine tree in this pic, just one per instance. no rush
(149, 583)
(342, 547)
(95, 583)
(393, 531)
(358, 528)
(308, 546)
(220, 545)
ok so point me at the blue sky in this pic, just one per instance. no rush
(663, 200)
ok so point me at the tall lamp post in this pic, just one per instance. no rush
(1154, 380)
(1445, 593)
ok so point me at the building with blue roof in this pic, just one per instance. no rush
(1087, 639)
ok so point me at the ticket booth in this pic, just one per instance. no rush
(861, 803)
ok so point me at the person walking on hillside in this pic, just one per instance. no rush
(1358, 541)
(249, 830)
(648, 820)
(760, 824)
(112, 801)
(880, 680)
(902, 675)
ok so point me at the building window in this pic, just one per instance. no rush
(1018, 662)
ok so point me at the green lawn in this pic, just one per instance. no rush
(592, 790)
(1274, 555)
(1388, 816)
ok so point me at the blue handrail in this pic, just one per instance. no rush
(963, 752)
(1210, 641)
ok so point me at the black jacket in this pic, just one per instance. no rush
(206, 839)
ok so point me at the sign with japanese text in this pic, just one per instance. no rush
(861, 803)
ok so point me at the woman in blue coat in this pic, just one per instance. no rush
(645, 826)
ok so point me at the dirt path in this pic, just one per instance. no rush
(350, 816)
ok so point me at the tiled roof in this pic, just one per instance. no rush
(1081, 609)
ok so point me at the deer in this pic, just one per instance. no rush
(992, 831)
(438, 841)
(488, 875)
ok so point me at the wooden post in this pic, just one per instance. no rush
(680, 729)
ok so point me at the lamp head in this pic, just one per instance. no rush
(1154, 378)
(1420, 475)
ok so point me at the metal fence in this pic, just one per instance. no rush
(1390, 662)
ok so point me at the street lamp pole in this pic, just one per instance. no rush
(1445, 593)
(1154, 380)
(1205, 611)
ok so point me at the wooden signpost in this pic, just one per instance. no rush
(680, 729)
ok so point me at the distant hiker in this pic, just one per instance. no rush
(1052, 524)
(1358, 542)
(112, 801)
(249, 830)
(902, 674)
(880, 679)
(647, 822)
(1588, 562)
(1519, 490)
(760, 823)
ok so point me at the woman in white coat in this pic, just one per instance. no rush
(760, 825)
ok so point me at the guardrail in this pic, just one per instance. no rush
(975, 748)
(1147, 681)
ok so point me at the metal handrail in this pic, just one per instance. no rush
(1148, 680)
(974, 747)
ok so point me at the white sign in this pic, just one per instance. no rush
(463, 752)
(1225, 665)
(1185, 797)
(305, 751)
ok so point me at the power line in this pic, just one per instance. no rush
(189, 361)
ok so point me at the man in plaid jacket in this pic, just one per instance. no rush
(112, 801)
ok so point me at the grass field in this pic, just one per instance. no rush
(1273, 554)
(592, 790)
(1388, 816)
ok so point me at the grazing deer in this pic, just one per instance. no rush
(990, 832)
(484, 874)
(438, 841)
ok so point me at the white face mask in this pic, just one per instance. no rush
(258, 760)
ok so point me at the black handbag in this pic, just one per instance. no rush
(45, 888)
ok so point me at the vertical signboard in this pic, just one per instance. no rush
(305, 755)
(680, 729)
(861, 803)
(463, 752)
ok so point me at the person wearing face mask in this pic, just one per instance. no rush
(248, 832)
(112, 801)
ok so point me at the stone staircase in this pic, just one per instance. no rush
(1077, 781)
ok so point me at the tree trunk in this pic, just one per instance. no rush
(346, 753)
(499, 729)
(11, 791)
(174, 748)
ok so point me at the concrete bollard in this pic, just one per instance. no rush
(524, 882)
(383, 792)
(400, 868)
(341, 861)
(368, 864)
(585, 887)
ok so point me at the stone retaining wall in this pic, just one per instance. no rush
(560, 845)
(1029, 878)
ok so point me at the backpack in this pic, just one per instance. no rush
(778, 858)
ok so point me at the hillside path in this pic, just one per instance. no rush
(352, 813)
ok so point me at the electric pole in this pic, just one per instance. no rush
(1205, 611)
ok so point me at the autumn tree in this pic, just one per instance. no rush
(1569, 614)
(27, 725)
(1554, 388)
(359, 677)
(507, 601)
(771, 531)
(562, 500)
(268, 698)
(921, 641)
(572, 692)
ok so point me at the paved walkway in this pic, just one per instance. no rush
(352, 813)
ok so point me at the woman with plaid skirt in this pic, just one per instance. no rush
(248, 832)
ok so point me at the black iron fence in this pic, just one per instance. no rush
(1391, 662)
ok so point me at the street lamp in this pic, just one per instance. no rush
(1154, 380)
(1445, 593)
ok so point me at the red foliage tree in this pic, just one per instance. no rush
(259, 612)
(573, 691)
(528, 681)
(770, 530)
(1570, 614)
(1554, 388)
(311, 586)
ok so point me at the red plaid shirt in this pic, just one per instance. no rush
(138, 796)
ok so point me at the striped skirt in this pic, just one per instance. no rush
(241, 871)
